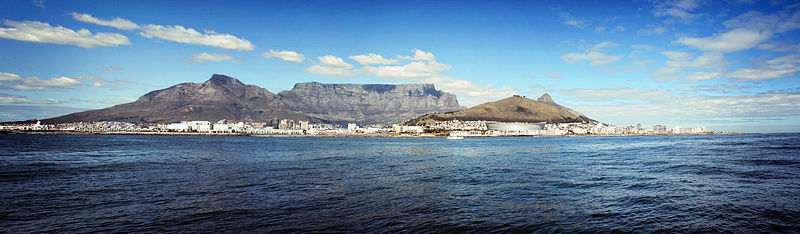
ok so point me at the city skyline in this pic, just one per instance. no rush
(728, 65)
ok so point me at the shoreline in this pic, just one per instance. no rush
(382, 135)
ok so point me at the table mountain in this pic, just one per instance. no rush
(223, 97)
(367, 103)
(513, 109)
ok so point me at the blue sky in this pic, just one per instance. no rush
(729, 65)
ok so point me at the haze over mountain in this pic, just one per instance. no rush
(223, 97)
(512, 109)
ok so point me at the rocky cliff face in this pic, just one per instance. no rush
(367, 103)
(223, 97)
(545, 98)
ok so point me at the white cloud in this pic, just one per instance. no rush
(9, 77)
(653, 29)
(181, 34)
(680, 9)
(39, 4)
(753, 20)
(731, 41)
(203, 58)
(594, 58)
(410, 71)
(16, 99)
(679, 61)
(286, 55)
(119, 23)
(600, 28)
(369, 59)
(330, 71)
(593, 55)
(709, 60)
(333, 61)
(469, 93)
(112, 68)
(16, 82)
(105, 100)
(556, 75)
(422, 69)
(618, 29)
(780, 67)
(612, 94)
(669, 108)
(791, 23)
(700, 76)
(568, 19)
(418, 55)
(34, 31)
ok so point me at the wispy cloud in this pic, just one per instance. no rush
(119, 23)
(34, 31)
(285, 55)
(333, 61)
(731, 41)
(16, 99)
(418, 55)
(203, 58)
(17, 82)
(568, 19)
(112, 68)
(680, 9)
(369, 59)
(182, 34)
(39, 4)
(593, 55)
(422, 68)
(175, 33)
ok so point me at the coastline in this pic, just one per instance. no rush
(381, 135)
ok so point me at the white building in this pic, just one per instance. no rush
(200, 126)
(352, 127)
(178, 127)
(221, 128)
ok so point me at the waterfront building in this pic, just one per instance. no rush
(178, 127)
(303, 125)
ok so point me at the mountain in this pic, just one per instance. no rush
(367, 103)
(545, 98)
(513, 109)
(223, 97)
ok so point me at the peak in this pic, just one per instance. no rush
(546, 99)
(218, 79)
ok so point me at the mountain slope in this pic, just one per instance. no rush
(223, 97)
(513, 109)
(367, 103)
(545, 98)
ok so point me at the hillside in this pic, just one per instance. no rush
(223, 97)
(512, 109)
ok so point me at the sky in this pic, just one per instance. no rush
(729, 65)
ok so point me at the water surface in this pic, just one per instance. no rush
(86, 183)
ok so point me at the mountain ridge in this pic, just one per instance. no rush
(224, 97)
(512, 109)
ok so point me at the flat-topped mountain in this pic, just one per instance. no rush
(223, 97)
(367, 103)
(513, 109)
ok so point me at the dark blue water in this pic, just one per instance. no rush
(87, 183)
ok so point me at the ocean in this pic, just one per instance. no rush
(117, 183)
